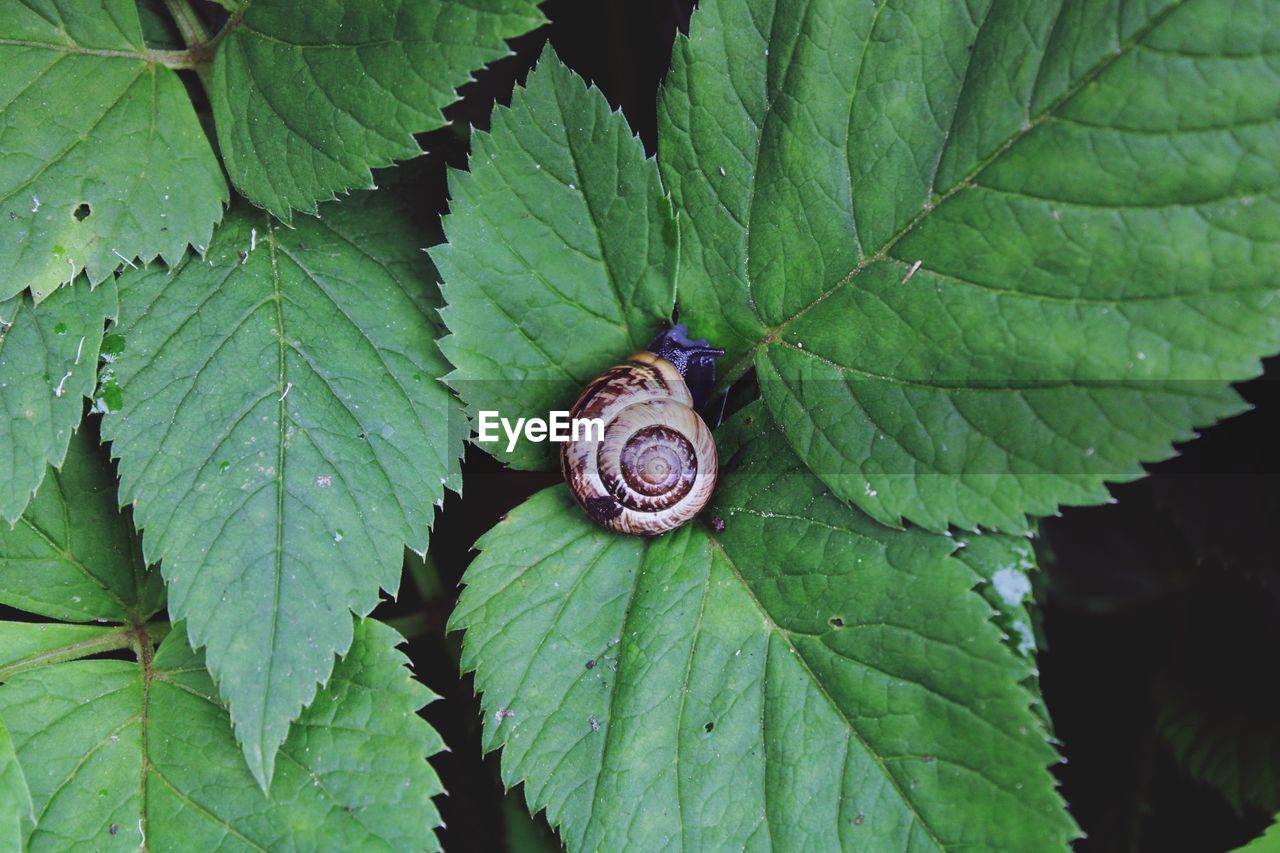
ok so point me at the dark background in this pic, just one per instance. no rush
(1167, 600)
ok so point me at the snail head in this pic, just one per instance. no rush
(696, 360)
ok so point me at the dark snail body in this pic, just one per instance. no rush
(656, 467)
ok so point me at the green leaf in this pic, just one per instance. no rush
(561, 256)
(984, 256)
(308, 97)
(805, 677)
(16, 809)
(48, 365)
(72, 556)
(105, 159)
(124, 755)
(282, 434)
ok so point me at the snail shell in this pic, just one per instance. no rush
(656, 467)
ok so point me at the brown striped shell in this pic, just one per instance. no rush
(656, 467)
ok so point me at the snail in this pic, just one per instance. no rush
(655, 467)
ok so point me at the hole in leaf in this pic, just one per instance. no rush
(836, 622)
(709, 726)
(82, 211)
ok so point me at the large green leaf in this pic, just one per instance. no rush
(71, 556)
(802, 678)
(984, 256)
(561, 255)
(124, 756)
(48, 365)
(282, 435)
(309, 94)
(104, 158)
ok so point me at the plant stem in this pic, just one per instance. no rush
(426, 577)
(200, 46)
(413, 626)
(167, 58)
(122, 638)
(193, 30)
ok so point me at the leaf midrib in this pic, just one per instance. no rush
(110, 640)
(282, 435)
(150, 57)
(745, 361)
(973, 386)
(776, 629)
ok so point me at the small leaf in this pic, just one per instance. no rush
(72, 556)
(985, 257)
(283, 435)
(561, 256)
(126, 755)
(105, 159)
(804, 676)
(48, 365)
(308, 97)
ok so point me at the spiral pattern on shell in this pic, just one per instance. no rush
(656, 467)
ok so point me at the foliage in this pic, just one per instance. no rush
(273, 396)
(1041, 237)
(105, 158)
(649, 690)
(931, 267)
(135, 753)
(286, 152)
(588, 245)
(971, 263)
(299, 503)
